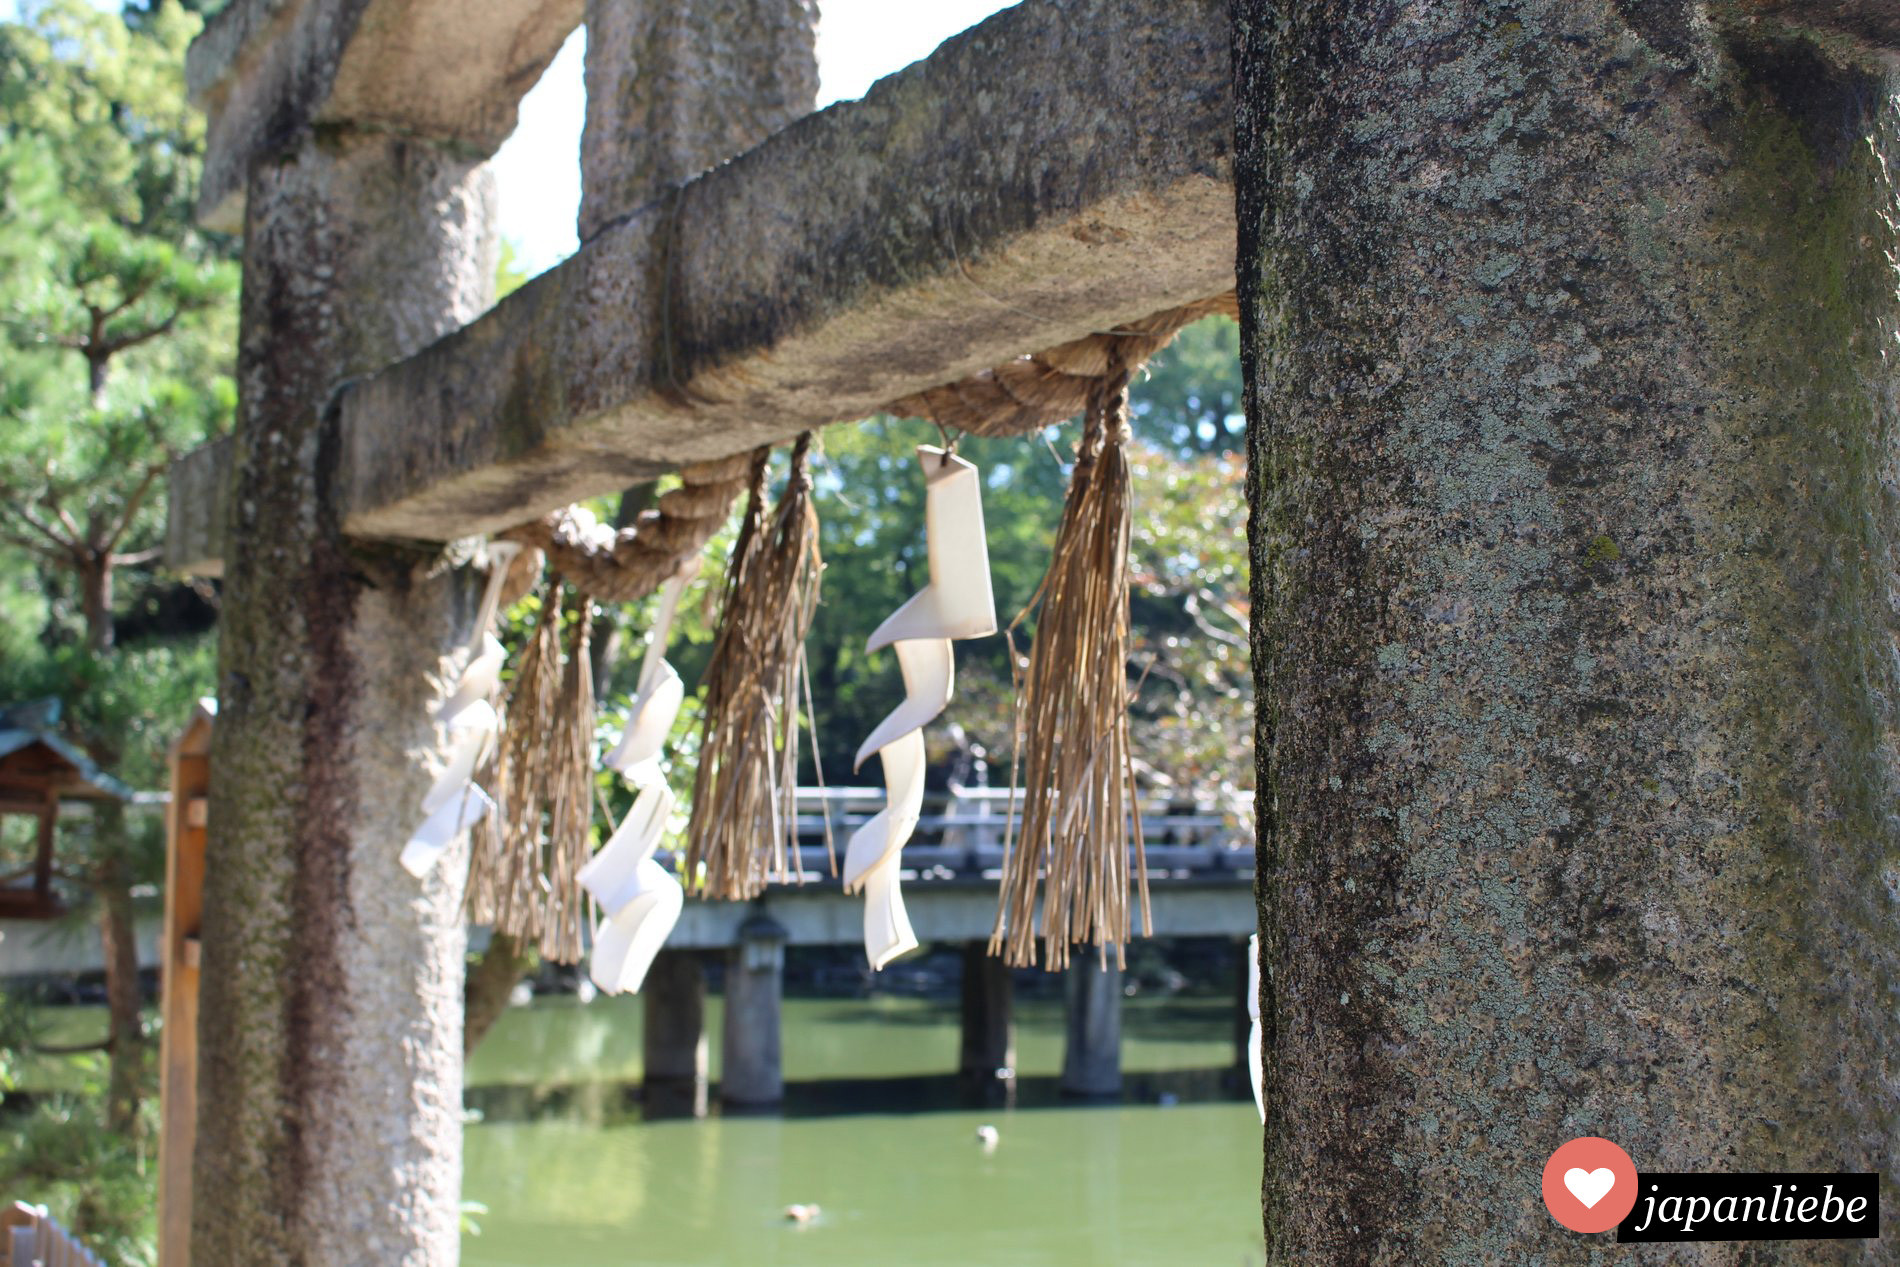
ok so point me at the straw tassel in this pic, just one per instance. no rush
(487, 839)
(523, 880)
(745, 788)
(570, 796)
(1077, 779)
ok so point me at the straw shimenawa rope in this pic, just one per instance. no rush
(523, 878)
(505, 889)
(1032, 392)
(635, 561)
(527, 848)
(1078, 796)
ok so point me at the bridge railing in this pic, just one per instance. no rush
(965, 832)
(29, 1237)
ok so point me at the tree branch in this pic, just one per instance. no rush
(131, 510)
(112, 347)
(132, 297)
(50, 499)
(1192, 603)
(32, 545)
(20, 510)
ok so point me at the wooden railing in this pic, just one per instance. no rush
(29, 1237)
(178, 976)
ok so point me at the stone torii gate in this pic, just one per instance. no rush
(1568, 328)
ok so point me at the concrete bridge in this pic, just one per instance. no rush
(1200, 877)
(1200, 873)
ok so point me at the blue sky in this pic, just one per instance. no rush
(859, 42)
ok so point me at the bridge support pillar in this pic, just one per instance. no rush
(752, 1069)
(988, 1054)
(673, 1036)
(1092, 1054)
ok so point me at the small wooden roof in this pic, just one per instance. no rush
(36, 762)
(38, 770)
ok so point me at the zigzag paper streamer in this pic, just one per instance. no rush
(1256, 1045)
(640, 900)
(455, 802)
(956, 604)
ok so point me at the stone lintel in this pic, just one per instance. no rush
(1060, 167)
(1864, 30)
(197, 509)
(450, 70)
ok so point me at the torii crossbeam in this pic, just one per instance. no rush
(1057, 169)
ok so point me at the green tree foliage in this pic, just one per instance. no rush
(1189, 398)
(118, 313)
(120, 325)
(118, 320)
(510, 276)
(60, 1149)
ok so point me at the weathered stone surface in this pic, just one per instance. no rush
(451, 70)
(1868, 27)
(1573, 422)
(673, 89)
(329, 1127)
(1062, 166)
(197, 508)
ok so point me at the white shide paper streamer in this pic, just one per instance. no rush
(957, 603)
(455, 802)
(639, 900)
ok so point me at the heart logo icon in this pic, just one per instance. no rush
(1589, 1186)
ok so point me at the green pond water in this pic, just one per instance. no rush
(874, 1134)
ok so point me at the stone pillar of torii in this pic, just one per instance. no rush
(1569, 329)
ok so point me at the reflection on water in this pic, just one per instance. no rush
(572, 1178)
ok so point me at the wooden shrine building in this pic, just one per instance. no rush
(38, 772)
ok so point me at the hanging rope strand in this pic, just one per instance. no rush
(745, 789)
(1077, 791)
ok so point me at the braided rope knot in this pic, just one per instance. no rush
(621, 566)
(1025, 395)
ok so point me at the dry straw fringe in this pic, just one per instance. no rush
(483, 895)
(514, 887)
(522, 876)
(1078, 801)
(570, 793)
(743, 832)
